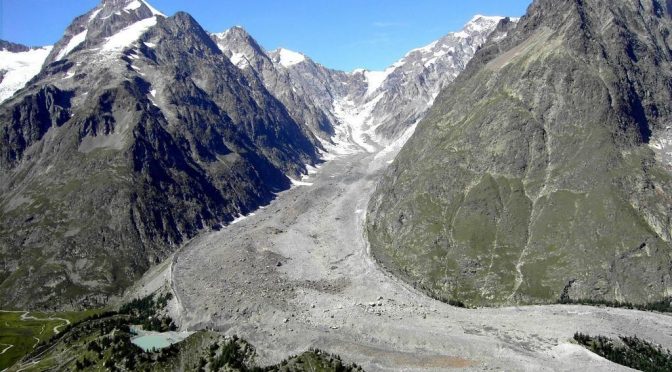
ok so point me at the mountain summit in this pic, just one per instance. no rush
(115, 22)
(532, 180)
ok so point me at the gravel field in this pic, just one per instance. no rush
(297, 274)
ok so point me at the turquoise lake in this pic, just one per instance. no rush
(149, 342)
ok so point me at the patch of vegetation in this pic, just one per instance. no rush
(101, 343)
(231, 356)
(449, 301)
(235, 354)
(145, 312)
(92, 332)
(314, 360)
(663, 306)
(19, 337)
(628, 351)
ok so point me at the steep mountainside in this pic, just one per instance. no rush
(531, 179)
(244, 52)
(18, 64)
(410, 86)
(132, 138)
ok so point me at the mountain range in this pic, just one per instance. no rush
(195, 182)
(136, 131)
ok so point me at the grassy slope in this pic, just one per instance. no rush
(522, 182)
(24, 335)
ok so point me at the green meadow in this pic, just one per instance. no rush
(21, 331)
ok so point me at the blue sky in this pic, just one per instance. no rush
(342, 34)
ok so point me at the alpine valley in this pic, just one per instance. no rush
(474, 205)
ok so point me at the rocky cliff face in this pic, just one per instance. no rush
(13, 47)
(124, 146)
(539, 174)
(245, 53)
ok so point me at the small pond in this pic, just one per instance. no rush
(149, 341)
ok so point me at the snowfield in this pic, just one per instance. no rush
(128, 35)
(20, 68)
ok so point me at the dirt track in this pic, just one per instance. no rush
(297, 275)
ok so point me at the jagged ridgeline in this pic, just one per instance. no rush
(536, 175)
(137, 133)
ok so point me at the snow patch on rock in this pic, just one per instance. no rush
(289, 58)
(239, 59)
(72, 44)
(94, 14)
(20, 68)
(375, 79)
(128, 35)
(299, 183)
(151, 8)
(133, 5)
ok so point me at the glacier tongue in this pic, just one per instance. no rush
(356, 123)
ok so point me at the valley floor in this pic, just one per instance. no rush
(298, 274)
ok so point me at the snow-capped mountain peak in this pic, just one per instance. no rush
(127, 6)
(484, 18)
(135, 4)
(114, 23)
(479, 24)
(237, 44)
